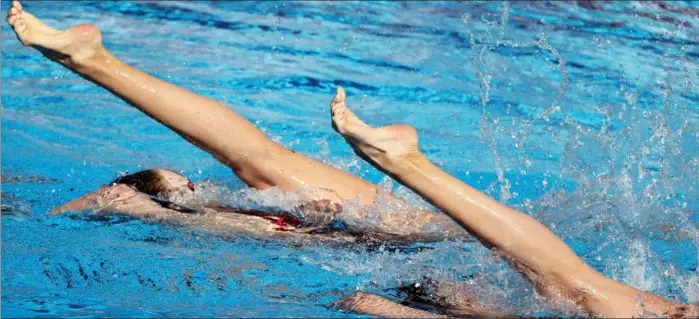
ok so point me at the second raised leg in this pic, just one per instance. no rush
(531, 248)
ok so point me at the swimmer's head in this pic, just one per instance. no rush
(157, 182)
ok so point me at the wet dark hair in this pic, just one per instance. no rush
(148, 182)
(152, 182)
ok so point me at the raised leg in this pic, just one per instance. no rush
(554, 269)
(257, 160)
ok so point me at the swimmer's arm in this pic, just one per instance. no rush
(78, 204)
(119, 199)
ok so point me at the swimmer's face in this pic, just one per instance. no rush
(173, 184)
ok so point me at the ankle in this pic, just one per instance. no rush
(84, 63)
(77, 47)
(407, 165)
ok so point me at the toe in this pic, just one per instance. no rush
(338, 102)
(339, 95)
(338, 111)
(338, 105)
(339, 115)
(19, 25)
(17, 4)
(342, 116)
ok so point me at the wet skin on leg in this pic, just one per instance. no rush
(232, 139)
(531, 248)
(208, 124)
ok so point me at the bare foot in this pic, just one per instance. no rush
(388, 148)
(70, 47)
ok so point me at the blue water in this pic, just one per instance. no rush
(584, 115)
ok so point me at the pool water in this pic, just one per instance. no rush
(584, 115)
